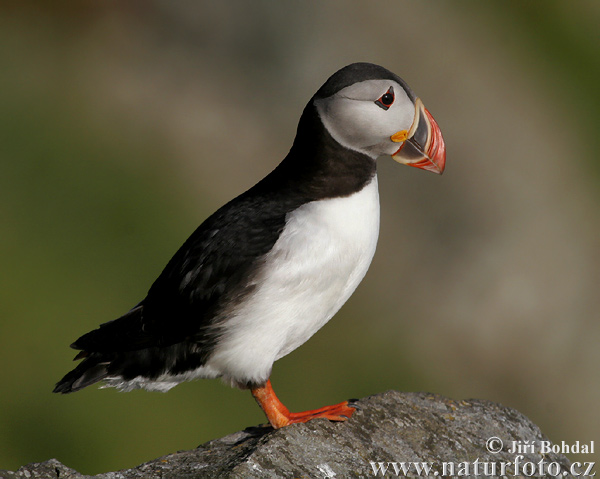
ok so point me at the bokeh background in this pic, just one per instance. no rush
(125, 124)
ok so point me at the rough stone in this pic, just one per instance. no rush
(389, 430)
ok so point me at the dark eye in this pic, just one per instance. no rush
(386, 100)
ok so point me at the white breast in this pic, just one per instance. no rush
(316, 264)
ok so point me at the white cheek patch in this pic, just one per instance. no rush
(349, 119)
(356, 122)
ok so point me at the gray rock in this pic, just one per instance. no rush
(390, 431)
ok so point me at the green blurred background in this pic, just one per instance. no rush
(125, 124)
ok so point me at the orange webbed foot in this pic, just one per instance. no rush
(337, 412)
(279, 416)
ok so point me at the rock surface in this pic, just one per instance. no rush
(389, 431)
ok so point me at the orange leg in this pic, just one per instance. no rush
(279, 416)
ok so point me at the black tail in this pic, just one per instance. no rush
(123, 334)
(93, 369)
(128, 347)
(98, 350)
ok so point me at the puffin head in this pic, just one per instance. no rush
(369, 109)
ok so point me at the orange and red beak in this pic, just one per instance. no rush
(423, 145)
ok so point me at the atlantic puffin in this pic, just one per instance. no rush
(262, 274)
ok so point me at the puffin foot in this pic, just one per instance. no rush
(279, 416)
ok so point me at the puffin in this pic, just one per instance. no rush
(267, 270)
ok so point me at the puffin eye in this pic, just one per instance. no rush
(386, 100)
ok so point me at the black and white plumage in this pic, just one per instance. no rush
(261, 275)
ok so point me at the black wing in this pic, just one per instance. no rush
(213, 268)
